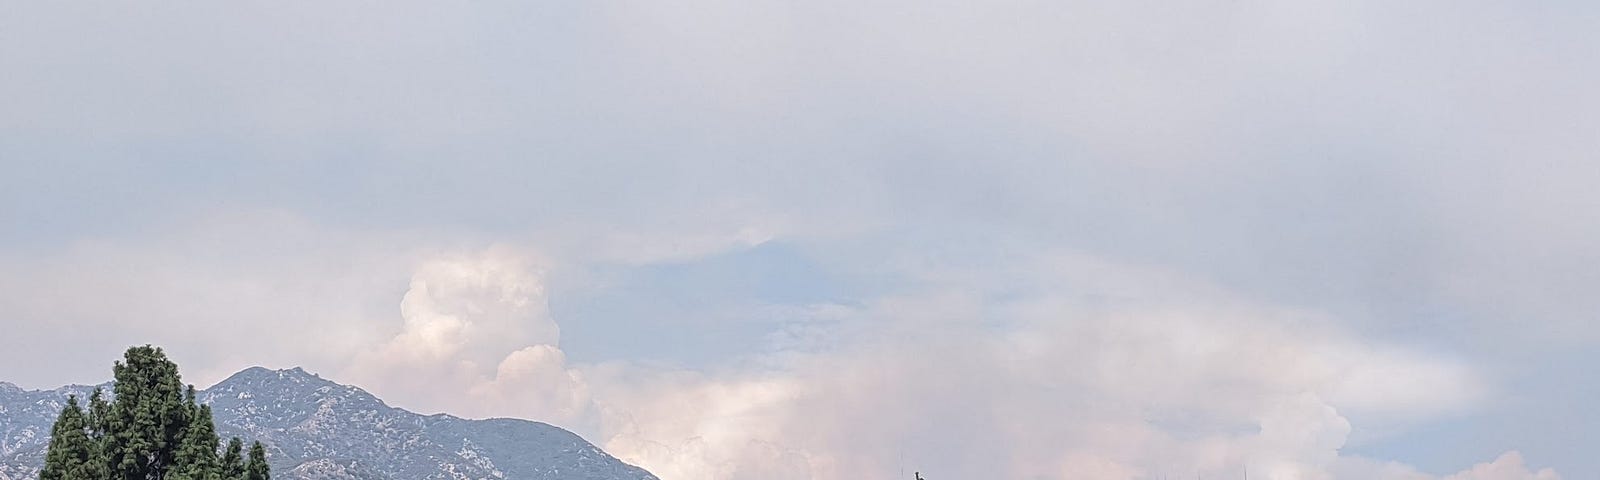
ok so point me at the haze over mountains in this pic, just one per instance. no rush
(319, 429)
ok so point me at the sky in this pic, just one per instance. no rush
(737, 239)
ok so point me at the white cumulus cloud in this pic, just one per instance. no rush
(476, 339)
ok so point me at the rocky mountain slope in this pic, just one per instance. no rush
(318, 429)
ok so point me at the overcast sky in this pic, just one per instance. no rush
(736, 239)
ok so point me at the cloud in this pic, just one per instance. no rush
(229, 290)
(1369, 193)
(969, 383)
(476, 340)
(1508, 466)
(1028, 366)
(535, 382)
(1276, 147)
(491, 301)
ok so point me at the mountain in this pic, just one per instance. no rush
(25, 420)
(316, 429)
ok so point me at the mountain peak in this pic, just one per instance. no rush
(259, 375)
(293, 385)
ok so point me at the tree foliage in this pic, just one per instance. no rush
(72, 454)
(256, 468)
(152, 429)
(233, 460)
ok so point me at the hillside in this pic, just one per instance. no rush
(318, 429)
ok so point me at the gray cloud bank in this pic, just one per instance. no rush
(1077, 239)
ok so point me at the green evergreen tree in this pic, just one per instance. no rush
(233, 460)
(148, 417)
(72, 454)
(257, 468)
(197, 456)
(99, 410)
(153, 429)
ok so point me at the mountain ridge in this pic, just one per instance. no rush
(318, 429)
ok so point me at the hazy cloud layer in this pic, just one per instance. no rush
(1025, 239)
(969, 382)
(1059, 365)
